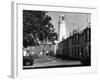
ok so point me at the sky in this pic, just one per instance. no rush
(73, 20)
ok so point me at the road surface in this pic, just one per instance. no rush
(49, 61)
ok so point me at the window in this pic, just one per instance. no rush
(72, 51)
(87, 34)
(49, 45)
(73, 39)
(77, 38)
(78, 51)
(89, 50)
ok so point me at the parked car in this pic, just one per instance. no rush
(28, 60)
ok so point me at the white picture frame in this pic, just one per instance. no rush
(17, 29)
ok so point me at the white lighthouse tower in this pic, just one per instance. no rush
(62, 31)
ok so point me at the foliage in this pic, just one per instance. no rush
(37, 28)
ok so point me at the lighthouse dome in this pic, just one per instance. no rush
(62, 17)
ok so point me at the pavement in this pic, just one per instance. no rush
(45, 61)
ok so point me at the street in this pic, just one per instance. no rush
(50, 61)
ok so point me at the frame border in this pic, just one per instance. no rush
(14, 34)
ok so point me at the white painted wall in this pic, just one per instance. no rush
(5, 39)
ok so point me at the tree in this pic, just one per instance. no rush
(37, 28)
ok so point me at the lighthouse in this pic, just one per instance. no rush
(62, 31)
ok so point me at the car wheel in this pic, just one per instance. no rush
(27, 63)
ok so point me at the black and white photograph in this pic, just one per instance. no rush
(53, 39)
